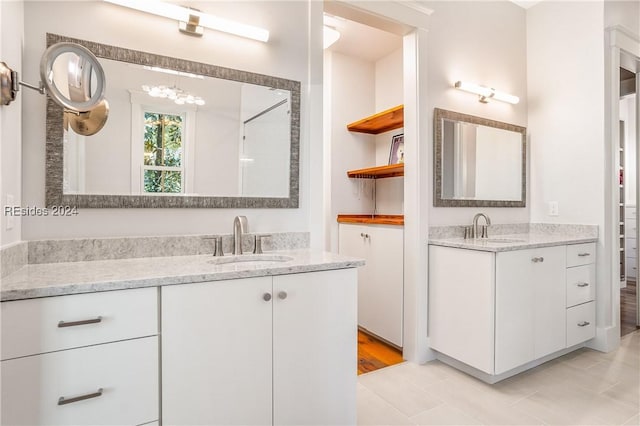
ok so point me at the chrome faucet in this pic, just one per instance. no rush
(240, 226)
(484, 229)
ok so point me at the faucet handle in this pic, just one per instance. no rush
(257, 247)
(217, 246)
(219, 251)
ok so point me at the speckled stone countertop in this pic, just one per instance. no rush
(510, 242)
(56, 279)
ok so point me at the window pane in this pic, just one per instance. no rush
(162, 139)
(162, 181)
(152, 181)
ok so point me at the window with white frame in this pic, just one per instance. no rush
(163, 162)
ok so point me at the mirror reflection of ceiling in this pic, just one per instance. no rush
(362, 41)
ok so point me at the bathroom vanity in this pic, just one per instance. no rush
(181, 340)
(502, 305)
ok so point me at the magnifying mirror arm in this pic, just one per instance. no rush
(39, 87)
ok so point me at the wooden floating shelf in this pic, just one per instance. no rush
(381, 122)
(392, 170)
(379, 219)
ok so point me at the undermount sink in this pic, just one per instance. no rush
(501, 240)
(261, 259)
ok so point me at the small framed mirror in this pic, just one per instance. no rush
(478, 162)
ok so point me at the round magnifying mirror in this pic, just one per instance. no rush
(72, 76)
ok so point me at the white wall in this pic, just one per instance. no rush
(389, 93)
(286, 55)
(352, 98)
(565, 52)
(484, 43)
(625, 13)
(11, 22)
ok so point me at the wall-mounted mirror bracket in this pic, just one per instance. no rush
(69, 73)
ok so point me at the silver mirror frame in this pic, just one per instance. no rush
(54, 194)
(46, 68)
(438, 201)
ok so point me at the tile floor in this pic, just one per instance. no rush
(584, 387)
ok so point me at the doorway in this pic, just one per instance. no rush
(363, 75)
(628, 179)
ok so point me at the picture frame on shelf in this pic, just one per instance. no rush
(396, 154)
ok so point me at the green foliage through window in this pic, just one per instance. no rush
(162, 148)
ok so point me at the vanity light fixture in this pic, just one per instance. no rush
(192, 21)
(486, 93)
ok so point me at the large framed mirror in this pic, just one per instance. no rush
(478, 162)
(179, 134)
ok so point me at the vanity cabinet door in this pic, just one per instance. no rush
(461, 305)
(315, 348)
(380, 280)
(530, 305)
(217, 353)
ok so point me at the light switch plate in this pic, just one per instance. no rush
(553, 208)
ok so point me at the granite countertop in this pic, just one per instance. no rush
(56, 279)
(510, 242)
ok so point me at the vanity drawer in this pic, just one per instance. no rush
(581, 284)
(632, 268)
(581, 323)
(630, 212)
(48, 324)
(630, 247)
(630, 228)
(126, 372)
(581, 254)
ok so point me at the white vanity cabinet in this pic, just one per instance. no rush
(381, 279)
(81, 359)
(499, 311)
(267, 350)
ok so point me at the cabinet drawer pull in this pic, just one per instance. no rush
(583, 284)
(537, 259)
(63, 324)
(282, 295)
(266, 297)
(64, 401)
(583, 323)
(584, 254)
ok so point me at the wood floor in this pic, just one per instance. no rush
(628, 308)
(374, 354)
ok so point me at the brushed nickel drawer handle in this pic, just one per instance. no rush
(266, 297)
(583, 284)
(63, 324)
(64, 401)
(282, 295)
(583, 323)
(537, 259)
(584, 254)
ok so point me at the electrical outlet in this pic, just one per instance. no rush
(9, 218)
(553, 208)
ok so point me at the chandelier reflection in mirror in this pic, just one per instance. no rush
(174, 93)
